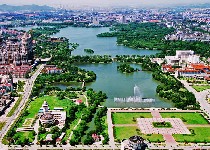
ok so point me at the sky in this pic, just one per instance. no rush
(101, 3)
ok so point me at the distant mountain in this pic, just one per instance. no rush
(204, 5)
(10, 8)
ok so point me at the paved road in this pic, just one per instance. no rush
(156, 114)
(200, 97)
(27, 92)
(67, 147)
(36, 129)
(110, 129)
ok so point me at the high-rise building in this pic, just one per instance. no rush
(123, 19)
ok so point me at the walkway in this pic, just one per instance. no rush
(86, 100)
(125, 125)
(156, 114)
(110, 129)
(36, 129)
(198, 125)
(149, 110)
(169, 140)
(200, 96)
(74, 129)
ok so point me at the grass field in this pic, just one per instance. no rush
(2, 125)
(188, 118)
(201, 134)
(126, 132)
(28, 122)
(82, 97)
(22, 135)
(17, 103)
(128, 118)
(200, 88)
(52, 101)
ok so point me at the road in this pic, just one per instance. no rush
(27, 92)
(200, 97)
(110, 129)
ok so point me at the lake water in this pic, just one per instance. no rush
(109, 80)
(86, 38)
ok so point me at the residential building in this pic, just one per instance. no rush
(16, 52)
(51, 69)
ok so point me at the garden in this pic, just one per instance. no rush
(125, 132)
(187, 118)
(128, 118)
(200, 88)
(198, 135)
(162, 124)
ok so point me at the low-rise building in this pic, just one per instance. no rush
(182, 57)
(56, 116)
(51, 69)
(133, 143)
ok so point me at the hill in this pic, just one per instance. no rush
(10, 8)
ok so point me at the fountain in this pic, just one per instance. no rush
(137, 98)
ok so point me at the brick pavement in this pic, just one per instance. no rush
(146, 127)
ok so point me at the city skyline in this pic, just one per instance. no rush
(103, 3)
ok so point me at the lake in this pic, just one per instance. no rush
(109, 80)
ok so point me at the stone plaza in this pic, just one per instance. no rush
(146, 126)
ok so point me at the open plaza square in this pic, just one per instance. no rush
(161, 127)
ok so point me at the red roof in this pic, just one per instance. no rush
(188, 70)
(200, 66)
(79, 101)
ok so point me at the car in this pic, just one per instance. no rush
(30, 143)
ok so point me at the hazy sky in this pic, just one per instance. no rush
(102, 2)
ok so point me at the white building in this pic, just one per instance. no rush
(172, 60)
(182, 57)
(193, 59)
(56, 116)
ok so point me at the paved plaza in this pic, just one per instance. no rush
(146, 126)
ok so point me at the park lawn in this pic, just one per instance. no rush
(121, 133)
(43, 136)
(23, 135)
(200, 88)
(2, 125)
(188, 118)
(52, 101)
(82, 97)
(28, 122)
(201, 135)
(36, 104)
(127, 117)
